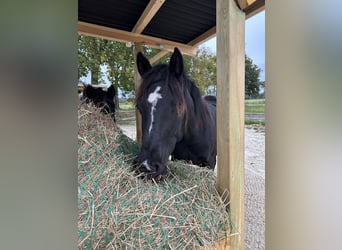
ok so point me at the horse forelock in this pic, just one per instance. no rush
(179, 86)
(147, 80)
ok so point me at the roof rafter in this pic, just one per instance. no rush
(197, 41)
(125, 36)
(250, 7)
(244, 3)
(149, 12)
(254, 8)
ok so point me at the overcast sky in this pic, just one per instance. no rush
(255, 41)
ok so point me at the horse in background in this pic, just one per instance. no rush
(176, 119)
(103, 99)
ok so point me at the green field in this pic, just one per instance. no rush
(252, 106)
(126, 106)
(255, 106)
(255, 101)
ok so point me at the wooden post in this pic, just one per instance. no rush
(230, 26)
(137, 48)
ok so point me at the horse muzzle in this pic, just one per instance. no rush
(152, 170)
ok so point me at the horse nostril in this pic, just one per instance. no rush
(160, 169)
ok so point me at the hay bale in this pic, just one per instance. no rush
(118, 210)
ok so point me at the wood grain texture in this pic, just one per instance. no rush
(230, 28)
(125, 36)
(137, 48)
(149, 12)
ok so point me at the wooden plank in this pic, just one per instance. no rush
(137, 48)
(254, 8)
(149, 12)
(204, 37)
(158, 56)
(230, 21)
(197, 41)
(125, 36)
(244, 3)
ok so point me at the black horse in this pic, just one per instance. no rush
(176, 119)
(100, 98)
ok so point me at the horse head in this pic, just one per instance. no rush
(100, 98)
(160, 103)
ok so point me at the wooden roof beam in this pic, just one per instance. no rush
(149, 12)
(254, 8)
(204, 37)
(244, 3)
(125, 36)
(197, 41)
(250, 7)
(158, 56)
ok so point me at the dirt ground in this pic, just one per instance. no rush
(254, 182)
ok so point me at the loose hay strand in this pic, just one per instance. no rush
(118, 210)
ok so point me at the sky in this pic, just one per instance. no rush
(255, 41)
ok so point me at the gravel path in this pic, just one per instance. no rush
(254, 184)
(254, 189)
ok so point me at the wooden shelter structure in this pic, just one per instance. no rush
(165, 24)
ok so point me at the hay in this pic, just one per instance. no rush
(118, 210)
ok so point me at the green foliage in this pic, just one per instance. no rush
(120, 66)
(252, 81)
(202, 69)
(91, 55)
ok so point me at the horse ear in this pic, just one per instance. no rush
(111, 91)
(176, 63)
(143, 64)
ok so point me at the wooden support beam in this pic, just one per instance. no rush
(137, 48)
(204, 37)
(230, 26)
(244, 3)
(125, 36)
(149, 12)
(197, 41)
(158, 56)
(254, 8)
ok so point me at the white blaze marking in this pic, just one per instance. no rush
(146, 165)
(153, 99)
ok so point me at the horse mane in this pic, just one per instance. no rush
(180, 94)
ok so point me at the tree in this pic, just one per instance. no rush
(106, 58)
(91, 55)
(120, 67)
(252, 81)
(200, 68)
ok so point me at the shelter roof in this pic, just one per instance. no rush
(160, 24)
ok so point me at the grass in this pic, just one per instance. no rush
(255, 101)
(250, 122)
(255, 106)
(252, 106)
(126, 106)
(255, 109)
